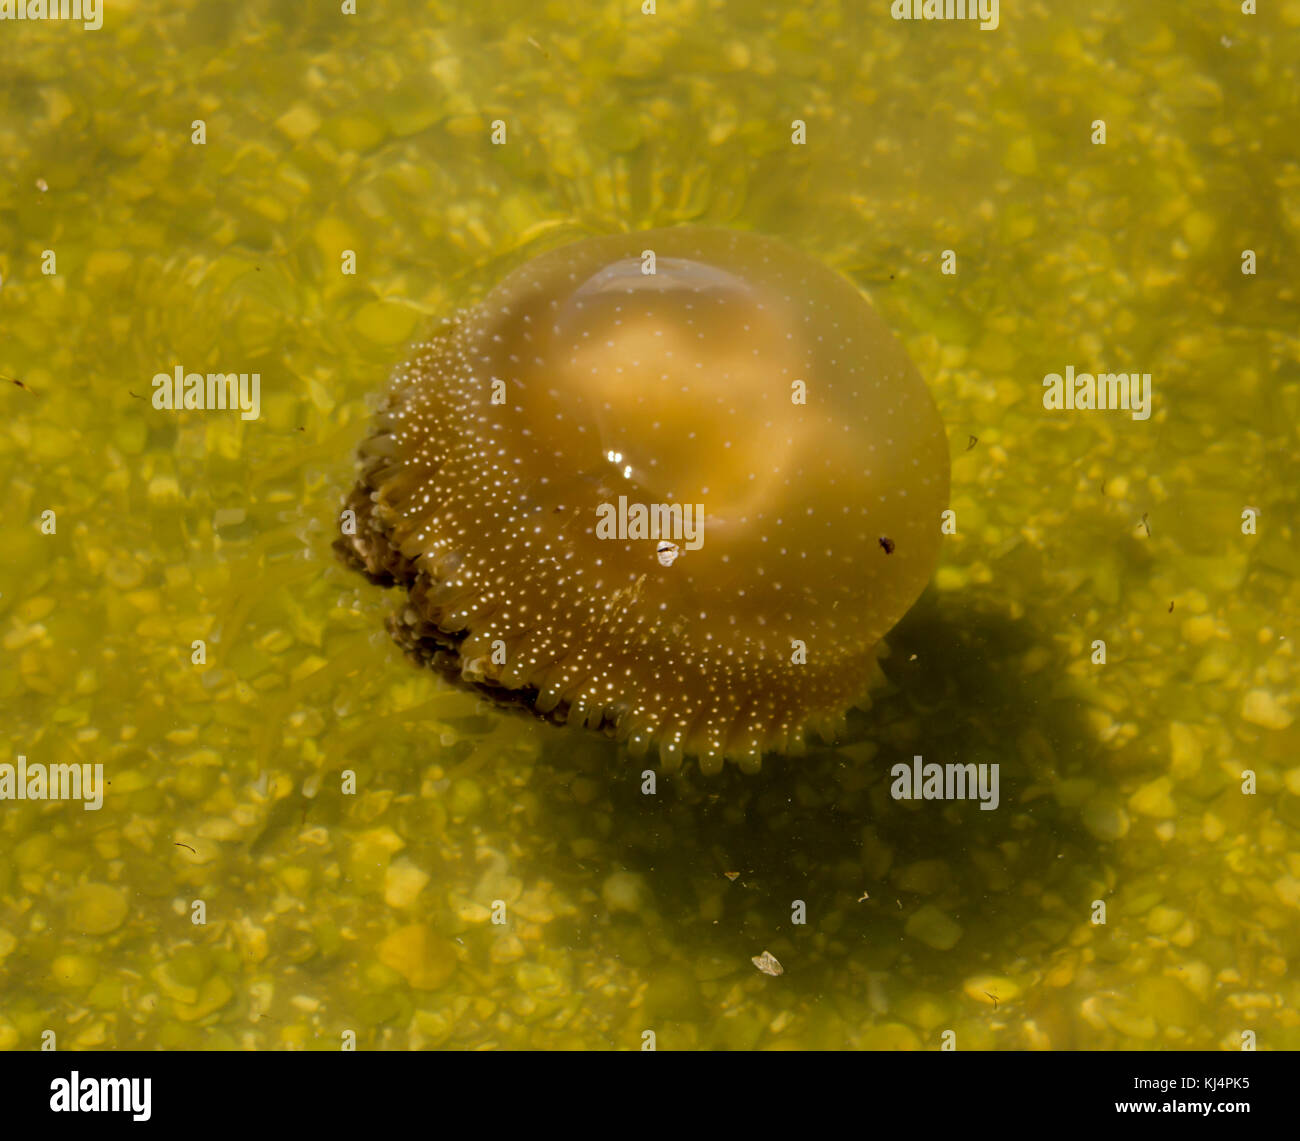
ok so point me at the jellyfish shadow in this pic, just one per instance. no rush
(816, 861)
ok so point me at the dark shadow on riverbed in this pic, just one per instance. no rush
(940, 889)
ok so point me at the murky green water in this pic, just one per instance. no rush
(230, 892)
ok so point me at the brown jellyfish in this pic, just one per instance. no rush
(642, 487)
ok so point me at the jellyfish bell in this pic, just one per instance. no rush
(739, 388)
(688, 373)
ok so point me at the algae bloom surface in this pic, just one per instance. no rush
(288, 193)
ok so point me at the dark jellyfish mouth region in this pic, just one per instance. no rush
(428, 645)
(642, 487)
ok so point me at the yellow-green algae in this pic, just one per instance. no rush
(371, 133)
